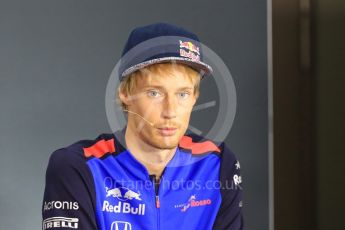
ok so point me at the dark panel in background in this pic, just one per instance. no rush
(329, 69)
(291, 145)
(292, 165)
(309, 126)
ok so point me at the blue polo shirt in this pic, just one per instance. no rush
(99, 184)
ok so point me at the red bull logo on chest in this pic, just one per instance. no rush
(127, 200)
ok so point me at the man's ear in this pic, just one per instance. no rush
(125, 98)
(196, 96)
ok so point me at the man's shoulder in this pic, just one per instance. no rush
(82, 150)
(200, 145)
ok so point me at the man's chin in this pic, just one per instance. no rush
(166, 143)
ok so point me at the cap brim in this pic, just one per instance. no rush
(201, 67)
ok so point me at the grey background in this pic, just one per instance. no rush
(55, 60)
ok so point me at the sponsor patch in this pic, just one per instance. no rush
(192, 203)
(60, 222)
(189, 50)
(127, 200)
(56, 204)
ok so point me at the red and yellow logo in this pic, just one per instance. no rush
(189, 50)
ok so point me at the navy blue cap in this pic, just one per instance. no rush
(158, 43)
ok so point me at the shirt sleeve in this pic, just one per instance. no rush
(69, 193)
(229, 216)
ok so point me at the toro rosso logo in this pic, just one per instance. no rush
(127, 200)
(193, 202)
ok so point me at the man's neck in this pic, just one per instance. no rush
(152, 158)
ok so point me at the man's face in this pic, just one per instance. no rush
(167, 102)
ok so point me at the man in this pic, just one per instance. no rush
(150, 175)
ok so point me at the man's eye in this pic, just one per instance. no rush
(153, 93)
(183, 95)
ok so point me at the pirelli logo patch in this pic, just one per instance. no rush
(60, 222)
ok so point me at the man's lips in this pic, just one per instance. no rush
(167, 128)
(167, 131)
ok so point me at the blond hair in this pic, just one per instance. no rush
(129, 83)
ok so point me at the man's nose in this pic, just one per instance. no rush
(169, 107)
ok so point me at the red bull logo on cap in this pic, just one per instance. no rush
(190, 46)
(189, 50)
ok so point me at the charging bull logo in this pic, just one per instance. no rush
(128, 194)
(127, 200)
(132, 195)
(115, 192)
(189, 50)
(190, 46)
